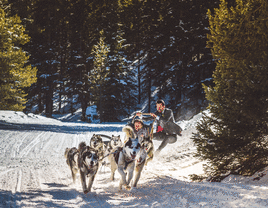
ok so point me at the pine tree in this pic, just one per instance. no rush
(168, 39)
(15, 73)
(233, 138)
(99, 73)
(118, 85)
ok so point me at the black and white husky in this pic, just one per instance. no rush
(146, 142)
(71, 155)
(127, 159)
(88, 165)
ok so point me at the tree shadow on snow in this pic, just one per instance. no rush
(53, 185)
(23, 199)
(58, 128)
(162, 191)
(53, 198)
(165, 191)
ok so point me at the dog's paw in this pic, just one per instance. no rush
(86, 191)
(127, 187)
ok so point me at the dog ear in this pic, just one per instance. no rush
(142, 145)
(129, 142)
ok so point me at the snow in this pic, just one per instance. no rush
(34, 173)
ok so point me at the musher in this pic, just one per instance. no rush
(167, 130)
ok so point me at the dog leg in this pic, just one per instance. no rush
(113, 168)
(120, 169)
(130, 172)
(83, 182)
(137, 176)
(73, 175)
(129, 176)
(90, 182)
(149, 159)
(123, 181)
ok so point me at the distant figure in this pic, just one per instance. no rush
(167, 129)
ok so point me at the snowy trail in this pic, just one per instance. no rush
(34, 173)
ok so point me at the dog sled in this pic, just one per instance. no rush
(169, 126)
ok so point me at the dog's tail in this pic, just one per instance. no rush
(66, 152)
(129, 132)
(81, 146)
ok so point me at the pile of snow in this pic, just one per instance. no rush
(91, 115)
(20, 117)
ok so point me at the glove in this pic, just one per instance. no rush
(159, 129)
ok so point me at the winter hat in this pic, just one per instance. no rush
(139, 120)
(160, 101)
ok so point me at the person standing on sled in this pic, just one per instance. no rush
(167, 129)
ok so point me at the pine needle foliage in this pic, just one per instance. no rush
(15, 74)
(100, 71)
(233, 137)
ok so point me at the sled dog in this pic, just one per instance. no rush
(97, 143)
(114, 142)
(127, 159)
(109, 146)
(146, 142)
(71, 155)
(148, 146)
(88, 165)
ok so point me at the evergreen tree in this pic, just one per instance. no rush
(119, 86)
(99, 73)
(166, 45)
(233, 138)
(168, 39)
(15, 72)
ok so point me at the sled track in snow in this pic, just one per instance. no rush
(36, 167)
(34, 173)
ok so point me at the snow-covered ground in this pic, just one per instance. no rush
(33, 171)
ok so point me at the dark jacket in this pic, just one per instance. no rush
(166, 121)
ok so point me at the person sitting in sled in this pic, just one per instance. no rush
(140, 129)
(167, 130)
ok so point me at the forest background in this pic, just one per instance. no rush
(117, 55)
(121, 56)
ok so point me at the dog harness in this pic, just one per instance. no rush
(128, 160)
